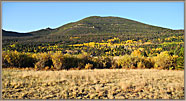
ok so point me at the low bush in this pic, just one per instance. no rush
(114, 64)
(140, 65)
(57, 59)
(180, 59)
(96, 62)
(132, 62)
(148, 62)
(4, 60)
(127, 61)
(165, 61)
(70, 61)
(84, 59)
(89, 66)
(43, 60)
(180, 63)
(103, 62)
(106, 61)
(17, 59)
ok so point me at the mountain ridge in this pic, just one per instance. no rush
(90, 29)
(85, 19)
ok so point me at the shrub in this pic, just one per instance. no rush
(84, 59)
(106, 62)
(57, 59)
(89, 66)
(180, 59)
(165, 61)
(96, 62)
(17, 59)
(70, 61)
(114, 64)
(180, 63)
(43, 60)
(136, 53)
(128, 61)
(148, 62)
(81, 65)
(4, 60)
(131, 61)
(140, 65)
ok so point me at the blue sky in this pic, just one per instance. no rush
(31, 16)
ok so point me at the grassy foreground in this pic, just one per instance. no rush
(93, 84)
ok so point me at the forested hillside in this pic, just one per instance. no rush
(92, 28)
(112, 40)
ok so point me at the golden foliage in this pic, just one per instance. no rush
(89, 66)
(57, 59)
(164, 60)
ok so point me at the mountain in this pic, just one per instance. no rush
(14, 34)
(96, 24)
(94, 28)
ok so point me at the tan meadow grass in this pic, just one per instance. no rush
(93, 84)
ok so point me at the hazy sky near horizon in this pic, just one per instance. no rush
(31, 16)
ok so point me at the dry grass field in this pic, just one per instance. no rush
(93, 84)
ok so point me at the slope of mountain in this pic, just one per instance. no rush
(94, 28)
(14, 34)
(97, 25)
